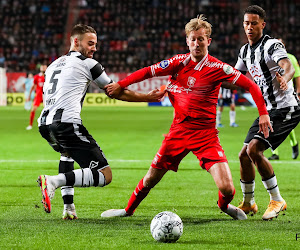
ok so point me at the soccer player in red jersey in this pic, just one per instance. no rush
(195, 80)
(38, 83)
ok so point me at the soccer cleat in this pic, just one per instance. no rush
(220, 125)
(29, 127)
(247, 208)
(235, 212)
(273, 157)
(115, 213)
(234, 125)
(273, 209)
(295, 151)
(69, 212)
(48, 191)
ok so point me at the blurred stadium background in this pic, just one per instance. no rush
(132, 34)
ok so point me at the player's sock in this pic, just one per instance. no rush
(248, 191)
(224, 200)
(219, 116)
(85, 177)
(232, 116)
(32, 114)
(293, 139)
(272, 188)
(137, 196)
(66, 164)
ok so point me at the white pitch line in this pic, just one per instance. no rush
(126, 160)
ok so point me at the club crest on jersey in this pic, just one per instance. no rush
(164, 64)
(93, 164)
(191, 81)
(227, 69)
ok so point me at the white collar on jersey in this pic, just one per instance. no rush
(200, 64)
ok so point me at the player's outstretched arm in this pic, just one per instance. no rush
(265, 125)
(289, 72)
(113, 90)
(132, 96)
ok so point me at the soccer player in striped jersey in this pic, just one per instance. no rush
(194, 84)
(267, 61)
(226, 96)
(66, 83)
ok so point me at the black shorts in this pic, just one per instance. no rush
(283, 122)
(223, 101)
(75, 141)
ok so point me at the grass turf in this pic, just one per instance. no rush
(130, 137)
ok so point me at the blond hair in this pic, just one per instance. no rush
(198, 23)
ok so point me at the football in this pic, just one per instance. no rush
(166, 227)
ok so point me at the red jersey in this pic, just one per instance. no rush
(193, 87)
(39, 80)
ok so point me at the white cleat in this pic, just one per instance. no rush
(235, 212)
(69, 212)
(29, 127)
(114, 213)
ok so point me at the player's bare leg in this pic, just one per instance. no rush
(247, 171)
(152, 177)
(277, 204)
(223, 179)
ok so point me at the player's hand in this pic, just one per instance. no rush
(282, 81)
(265, 125)
(113, 90)
(155, 95)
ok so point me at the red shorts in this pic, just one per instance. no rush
(38, 99)
(204, 143)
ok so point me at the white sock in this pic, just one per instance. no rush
(57, 180)
(273, 189)
(219, 116)
(248, 191)
(232, 116)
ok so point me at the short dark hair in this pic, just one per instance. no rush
(255, 9)
(81, 29)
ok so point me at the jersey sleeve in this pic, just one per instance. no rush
(295, 65)
(277, 51)
(97, 73)
(240, 64)
(245, 83)
(163, 68)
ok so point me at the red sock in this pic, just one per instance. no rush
(136, 198)
(31, 118)
(224, 200)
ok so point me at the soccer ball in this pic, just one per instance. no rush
(166, 227)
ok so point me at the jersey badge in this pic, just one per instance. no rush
(191, 82)
(227, 69)
(164, 64)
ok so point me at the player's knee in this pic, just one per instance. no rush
(227, 189)
(107, 175)
(243, 154)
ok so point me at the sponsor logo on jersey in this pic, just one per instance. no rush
(164, 64)
(227, 69)
(254, 71)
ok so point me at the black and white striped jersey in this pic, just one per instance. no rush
(261, 60)
(226, 93)
(67, 80)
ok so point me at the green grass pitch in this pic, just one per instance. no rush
(130, 137)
